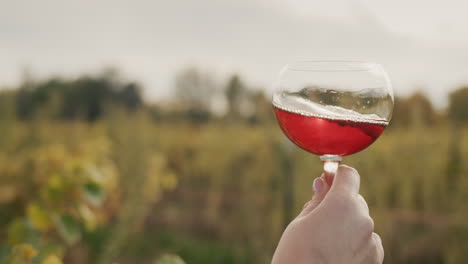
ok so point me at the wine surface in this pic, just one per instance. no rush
(336, 135)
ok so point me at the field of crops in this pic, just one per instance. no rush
(130, 190)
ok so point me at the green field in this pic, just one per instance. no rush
(130, 189)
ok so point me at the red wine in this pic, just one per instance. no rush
(329, 135)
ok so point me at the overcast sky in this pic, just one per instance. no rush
(423, 44)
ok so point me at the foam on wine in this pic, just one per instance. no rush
(305, 107)
(323, 129)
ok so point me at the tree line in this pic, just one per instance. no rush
(197, 98)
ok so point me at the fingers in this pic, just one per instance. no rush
(343, 196)
(320, 188)
(363, 203)
(379, 247)
(374, 251)
(346, 181)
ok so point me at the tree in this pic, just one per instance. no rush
(263, 111)
(421, 110)
(458, 101)
(235, 92)
(458, 114)
(86, 97)
(194, 92)
(130, 96)
(414, 111)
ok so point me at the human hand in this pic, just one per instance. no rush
(333, 228)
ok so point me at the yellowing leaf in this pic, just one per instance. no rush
(169, 181)
(94, 173)
(23, 253)
(55, 181)
(170, 259)
(38, 217)
(51, 259)
(88, 216)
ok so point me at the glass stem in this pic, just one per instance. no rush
(330, 166)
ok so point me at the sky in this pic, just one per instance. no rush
(423, 45)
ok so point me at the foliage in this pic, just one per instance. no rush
(414, 111)
(458, 110)
(231, 197)
(194, 91)
(235, 94)
(138, 186)
(238, 195)
(60, 183)
(56, 191)
(86, 97)
(170, 259)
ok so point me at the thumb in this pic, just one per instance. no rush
(346, 181)
(321, 188)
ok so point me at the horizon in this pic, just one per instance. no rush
(421, 48)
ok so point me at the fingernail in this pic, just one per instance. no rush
(318, 185)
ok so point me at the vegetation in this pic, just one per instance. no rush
(89, 173)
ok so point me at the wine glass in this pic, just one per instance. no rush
(333, 108)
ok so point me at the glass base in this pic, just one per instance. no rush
(331, 163)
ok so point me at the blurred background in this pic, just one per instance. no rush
(142, 131)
